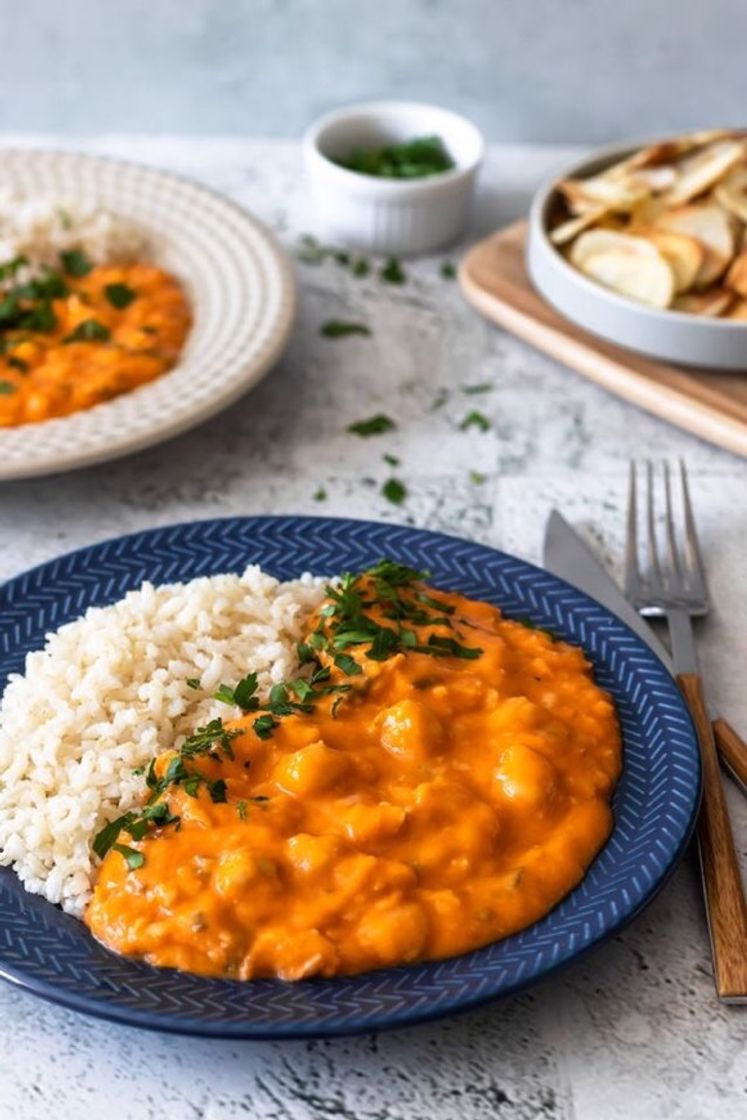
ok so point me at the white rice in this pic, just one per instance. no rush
(109, 691)
(40, 228)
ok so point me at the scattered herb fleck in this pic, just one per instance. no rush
(394, 491)
(76, 263)
(336, 328)
(392, 272)
(18, 363)
(361, 267)
(90, 330)
(193, 682)
(482, 387)
(320, 495)
(6, 388)
(374, 426)
(392, 460)
(475, 419)
(133, 858)
(440, 399)
(477, 477)
(120, 295)
(448, 270)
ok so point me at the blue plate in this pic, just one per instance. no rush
(51, 954)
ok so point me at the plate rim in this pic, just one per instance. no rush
(388, 1019)
(50, 463)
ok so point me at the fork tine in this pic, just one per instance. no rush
(672, 550)
(632, 572)
(653, 552)
(692, 546)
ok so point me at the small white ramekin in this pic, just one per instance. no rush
(399, 217)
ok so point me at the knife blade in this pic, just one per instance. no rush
(568, 556)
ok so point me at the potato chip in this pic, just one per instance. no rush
(647, 279)
(713, 303)
(736, 277)
(684, 254)
(696, 173)
(731, 192)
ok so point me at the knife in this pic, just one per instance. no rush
(568, 556)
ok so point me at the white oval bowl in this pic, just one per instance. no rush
(672, 336)
(400, 217)
(239, 282)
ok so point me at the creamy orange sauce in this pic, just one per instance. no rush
(42, 376)
(446, 804)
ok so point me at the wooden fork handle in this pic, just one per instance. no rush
(724, 893)
(733, 750)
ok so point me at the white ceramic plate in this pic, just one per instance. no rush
(239, 282)
(673, 336)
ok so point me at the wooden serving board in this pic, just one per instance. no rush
(713, 405)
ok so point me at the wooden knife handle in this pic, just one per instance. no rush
(722, 881)
(733, 750)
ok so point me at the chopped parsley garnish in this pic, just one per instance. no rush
(193, 682)
(360, 267)
(347, 664)
(475, 419)
(374, 426)
(320, 495)
(6, 388)
(90, 330)
(413, 159)
(10, 268)
(392, 460)
(132, 856)
(120, 295)
(392, 272)
(394, 491)
(448, 270)
(377, 613)
(477, 477)
(337, 328)
(481, 387)
(76, 263)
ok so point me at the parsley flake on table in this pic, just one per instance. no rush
(320, 495)
(394, 491)
(481, 387)
(337, 328)
(477, 477)
(448, 270)
(374, 426)
(392, 272)
(475, 419)
(392, 460)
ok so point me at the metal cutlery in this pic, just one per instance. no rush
(672, 584)
(568, 556)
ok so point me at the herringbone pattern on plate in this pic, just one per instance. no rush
(655, 803)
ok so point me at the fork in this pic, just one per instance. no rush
(673, 586)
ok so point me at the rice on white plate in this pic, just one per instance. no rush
(109, 691)
(40, 228)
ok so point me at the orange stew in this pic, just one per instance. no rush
(45, 373)
(440, 804)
